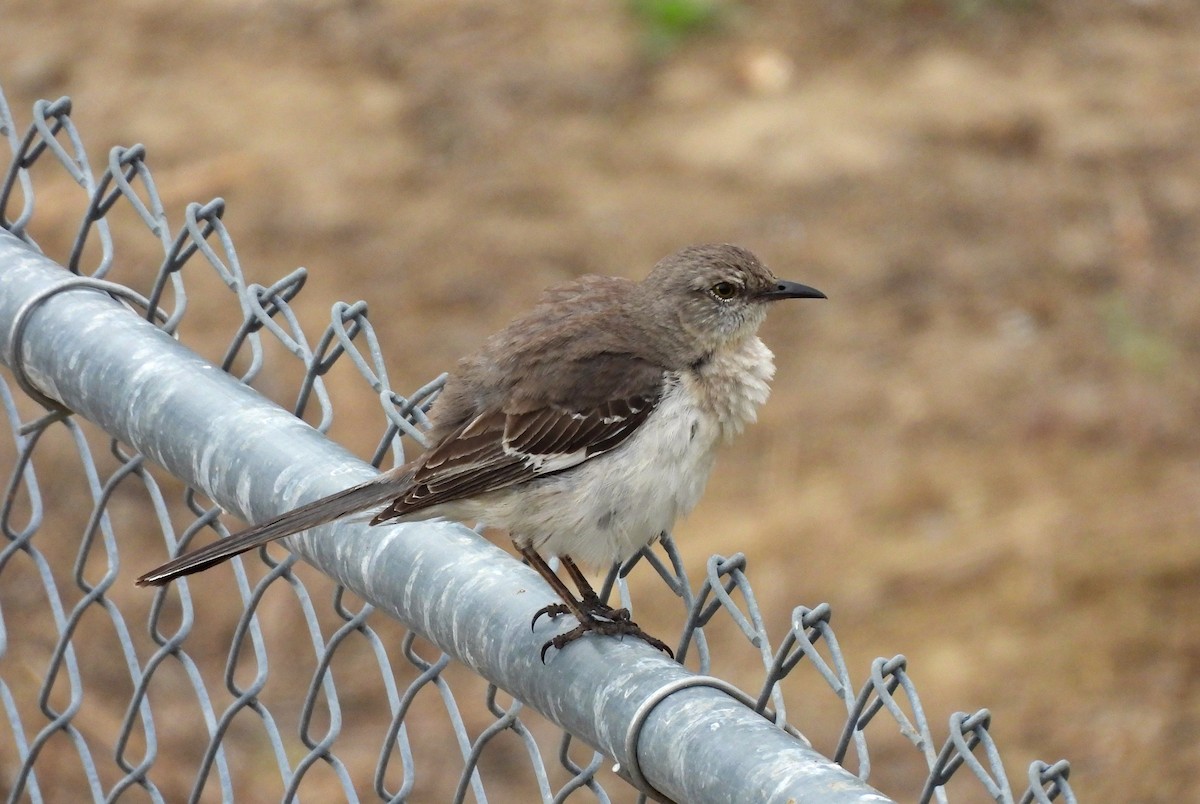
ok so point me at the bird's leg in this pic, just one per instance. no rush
(588, 596)
(615, 622)
(588, 601)
(569, 604)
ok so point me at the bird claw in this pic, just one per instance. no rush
(562, 639)
(594, 606)
(595, 617)
(552, 611)
(591, 606)
(620, 625)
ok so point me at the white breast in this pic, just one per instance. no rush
(734, 383)
(610, 507)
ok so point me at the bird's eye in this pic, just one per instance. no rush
(724, 290)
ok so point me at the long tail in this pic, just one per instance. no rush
(374, 492)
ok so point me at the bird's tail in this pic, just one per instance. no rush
(374, 492)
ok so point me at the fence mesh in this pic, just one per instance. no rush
(267, 680)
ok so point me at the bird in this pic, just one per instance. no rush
(585, 428)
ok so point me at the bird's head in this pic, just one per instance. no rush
(716, 295)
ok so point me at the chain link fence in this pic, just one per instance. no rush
(270, 679)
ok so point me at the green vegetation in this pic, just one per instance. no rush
(667, 23)
(1144, 349)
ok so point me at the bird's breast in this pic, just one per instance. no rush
(732, 384)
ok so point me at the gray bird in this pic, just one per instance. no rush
(584, 428)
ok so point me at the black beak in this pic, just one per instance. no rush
(791, 290)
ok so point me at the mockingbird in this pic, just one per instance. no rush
(584, 428)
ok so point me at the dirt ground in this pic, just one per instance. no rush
(983, 451)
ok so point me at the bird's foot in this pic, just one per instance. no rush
(608, 622)
(590, 605)
(594, 615)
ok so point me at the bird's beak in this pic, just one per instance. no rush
(791, 290)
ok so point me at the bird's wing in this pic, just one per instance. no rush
(502, 448)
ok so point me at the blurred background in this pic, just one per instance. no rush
(983, 450)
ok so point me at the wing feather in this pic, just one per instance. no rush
(500, 449)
